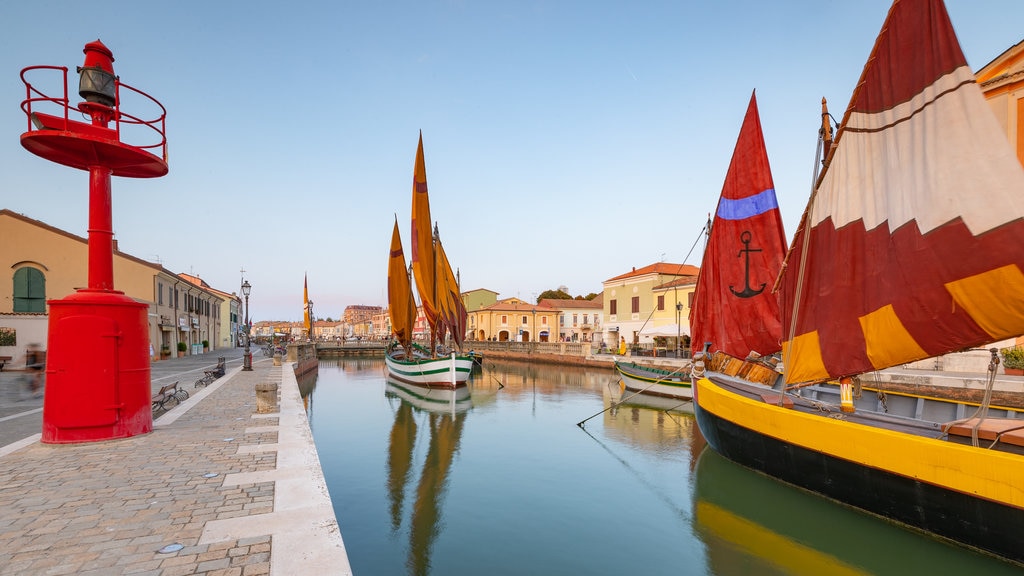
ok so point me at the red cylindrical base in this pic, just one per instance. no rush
(97, 369)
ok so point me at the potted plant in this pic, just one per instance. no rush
(206, 346)
(1013, 360)
(181, 349)
(165, 352)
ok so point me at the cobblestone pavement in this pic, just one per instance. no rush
(199, 495)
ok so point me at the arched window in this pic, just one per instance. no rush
(29, 290)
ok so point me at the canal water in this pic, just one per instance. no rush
(506, 482)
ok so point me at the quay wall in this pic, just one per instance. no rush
(304, 355)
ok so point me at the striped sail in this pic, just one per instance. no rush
(735, 308)
(911, 243)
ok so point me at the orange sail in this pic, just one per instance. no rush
(401, 305)
(307, 322)
(451, 309)
(423, 265)
(910, 245)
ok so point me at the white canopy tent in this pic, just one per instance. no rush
(671, 330)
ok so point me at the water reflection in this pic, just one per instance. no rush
(445, 414)
(754, 524)
(506, 484)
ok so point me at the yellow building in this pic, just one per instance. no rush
(515, 320)
(641, 305)
(1002, 83)
(46, 263)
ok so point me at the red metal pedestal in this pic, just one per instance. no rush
(97, 369)
(97, 372)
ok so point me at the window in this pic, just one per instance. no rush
(504, 320)
(661, 302)
(160, 293)
(544, 320)
(524, 320)
(575, 319)
(636, 304)
(613, 306)
(29, 290)
(585, 317)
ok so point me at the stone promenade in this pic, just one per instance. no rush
(214, 489)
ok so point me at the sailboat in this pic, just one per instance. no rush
(909, 248)
(439, 293)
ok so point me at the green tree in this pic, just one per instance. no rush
(553, 295)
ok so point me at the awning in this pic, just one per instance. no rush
(666, 330)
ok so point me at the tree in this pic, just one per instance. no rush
(553, 295)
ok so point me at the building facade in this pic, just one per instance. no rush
(640, 302)
(46, 263)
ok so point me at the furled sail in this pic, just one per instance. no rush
(735, 308)
(401, 304)
(911, 242)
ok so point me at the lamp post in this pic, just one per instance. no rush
(247, 355)
(679, 312)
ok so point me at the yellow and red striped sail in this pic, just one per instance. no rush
(911, 242)
(401, 304)
(423, 264)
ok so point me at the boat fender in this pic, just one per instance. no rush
(846, 394)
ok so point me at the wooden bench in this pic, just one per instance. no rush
(168, 393)
(4, 360)
(211, 375)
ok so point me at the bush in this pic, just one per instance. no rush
(1013, 357)
(206, 343)
(182, 347)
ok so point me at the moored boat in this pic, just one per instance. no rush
(909, 248)
(439, 293)
(647, 380)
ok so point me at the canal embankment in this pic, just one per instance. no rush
(216, 487)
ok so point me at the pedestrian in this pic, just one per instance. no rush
(622, 346)
(35, 361)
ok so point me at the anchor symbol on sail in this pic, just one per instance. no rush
(747, 291)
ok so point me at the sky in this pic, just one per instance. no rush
(566, 142)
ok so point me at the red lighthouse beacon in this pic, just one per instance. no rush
(97, 372)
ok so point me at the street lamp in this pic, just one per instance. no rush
(247, 355)
(679, 347)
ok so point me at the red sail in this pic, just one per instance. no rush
(735, 309)
(910, 244)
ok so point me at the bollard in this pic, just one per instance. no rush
(266, 397)
(277, 359)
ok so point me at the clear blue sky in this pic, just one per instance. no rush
(565, 142)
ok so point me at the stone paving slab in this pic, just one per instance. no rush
(224, 483)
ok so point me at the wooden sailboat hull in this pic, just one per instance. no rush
(973, 496)
(430, 372)
(655, 382)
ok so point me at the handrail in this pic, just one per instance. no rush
(36, 95)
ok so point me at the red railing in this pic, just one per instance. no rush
(36, 96)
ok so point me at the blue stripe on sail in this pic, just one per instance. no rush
(748, 207)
